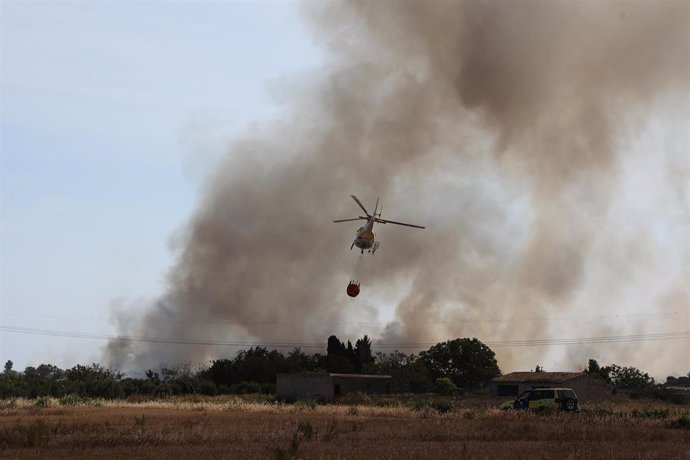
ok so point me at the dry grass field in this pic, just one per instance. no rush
(227, 427)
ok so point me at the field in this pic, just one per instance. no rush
(230, 427)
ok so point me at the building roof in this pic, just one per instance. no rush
(324, 374)
(368, 376)
(538, 377)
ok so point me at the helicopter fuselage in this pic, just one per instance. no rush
(365, 236)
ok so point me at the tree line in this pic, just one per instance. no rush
(445, 367)
(638, 383)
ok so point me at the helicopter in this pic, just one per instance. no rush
(365, 238)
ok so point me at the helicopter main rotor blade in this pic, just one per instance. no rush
(360, 205)
(349, 220)
(383, 221)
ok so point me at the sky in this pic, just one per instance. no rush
(113, 113)
(117, 118)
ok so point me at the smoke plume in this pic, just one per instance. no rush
(543, 144)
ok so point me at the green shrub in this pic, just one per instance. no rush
(445, 386)
(668, 396)
(246, 388)
(425, 406)
(420, 405)
(268, 388)
(207, 388)
(43, 401)
(681, 423)
(442, 406)
(72, 400)
(305, 404)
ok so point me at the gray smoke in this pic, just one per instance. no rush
(543, 144)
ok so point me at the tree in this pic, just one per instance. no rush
(445, 386)
(622, 378)
(90, 373)
(538, 368)
(339, 357)
(49, 371)
(257, 365)
(350, 354)
(335, 347)
(629, 378)
(592, 366)
(94, 381)
(597, 371)
(153, 376)
(8, 367)
(467, 362)
(409, 374)
(298, 361)
(363, 357)
(220, 371)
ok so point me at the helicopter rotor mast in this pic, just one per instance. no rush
(376, 217)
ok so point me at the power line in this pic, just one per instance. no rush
(496, 344)
(592, 340)
(90, 335)
(577, 318)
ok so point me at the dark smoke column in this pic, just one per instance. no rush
(498, 124)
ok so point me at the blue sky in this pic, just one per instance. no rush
(112, 115)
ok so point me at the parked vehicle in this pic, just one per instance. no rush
(563, 399)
